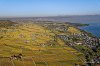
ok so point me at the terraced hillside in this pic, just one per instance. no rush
(32, 44)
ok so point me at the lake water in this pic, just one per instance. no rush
(94, 28)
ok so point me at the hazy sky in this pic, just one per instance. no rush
(10, 8)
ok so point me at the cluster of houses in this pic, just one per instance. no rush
(81, 39)
(56, 26)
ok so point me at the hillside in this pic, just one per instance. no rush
(38, 46)
(6, 23)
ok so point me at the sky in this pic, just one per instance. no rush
(31, 8)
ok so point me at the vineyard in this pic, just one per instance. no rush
(52, 56)
(38, 46)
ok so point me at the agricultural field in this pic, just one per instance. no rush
(37, 45)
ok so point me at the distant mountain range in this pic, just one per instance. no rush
(73, 18)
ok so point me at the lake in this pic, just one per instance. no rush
(94, 28)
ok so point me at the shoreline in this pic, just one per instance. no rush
(87, 31)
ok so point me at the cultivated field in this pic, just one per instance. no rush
(37, 46)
